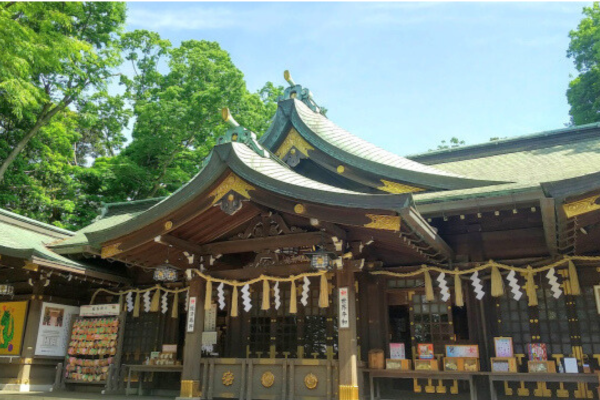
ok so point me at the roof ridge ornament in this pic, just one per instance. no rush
(295, 91)
(237, 133)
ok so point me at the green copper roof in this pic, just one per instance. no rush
(24, 238)
(352, 151)
(260, 170)
(528, 161)
(112, 214)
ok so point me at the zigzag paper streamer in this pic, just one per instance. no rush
(515, 289)
(147, 301)
(187, 300)
(444, 291)
(554, 285)
(477, 286)
(164, 303)
(305, 291)
(221, 296)
(129, 300)
(246, 298)
(276, 295)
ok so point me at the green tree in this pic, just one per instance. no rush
(584, 91)
(54, 56)
(450, 144)
(177, 94)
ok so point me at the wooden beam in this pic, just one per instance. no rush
(549, 222)
(247, 245)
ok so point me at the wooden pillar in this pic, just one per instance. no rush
(190, 377)
(30, 337)
(347, 346)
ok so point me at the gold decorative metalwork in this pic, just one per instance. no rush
(110, 250)
(267, 379)
(293, 140)
(168, 225)
(348, 392)
(395, 187)
(311, 381)
(232, 182)
(190, 388)
(341, 169)
(582, 206)
(227, 378)
(299, 208)
(31, 266)
(384, 222)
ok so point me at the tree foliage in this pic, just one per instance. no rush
(584, 91)
(63, 150)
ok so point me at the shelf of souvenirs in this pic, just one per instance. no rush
(465, 358)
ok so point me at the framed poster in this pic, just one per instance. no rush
(504, 347)
(397, 351)
(537, 352)
(12, 327)
(425, 351)
(53, 332)
(571, 365)
(462, 350)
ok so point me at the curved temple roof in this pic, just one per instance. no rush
(263, 171)
(346, 149)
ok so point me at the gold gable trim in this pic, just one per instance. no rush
(396, 188)
(582, 206)
(232, 182)
(293, 140)
(111, 250)
(384, 222)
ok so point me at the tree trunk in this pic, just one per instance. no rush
(42, 120)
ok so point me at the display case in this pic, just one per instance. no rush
(463, 364)
(398, 364)
(427, 365)
(541, 367)
(504, 364)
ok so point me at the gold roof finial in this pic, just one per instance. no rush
(227, 117)
(288, 77)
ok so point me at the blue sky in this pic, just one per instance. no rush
(401, 75)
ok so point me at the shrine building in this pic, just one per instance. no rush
(309, 264)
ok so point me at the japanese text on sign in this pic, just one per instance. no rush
(96, 310)
(343, 315)
(191, 320)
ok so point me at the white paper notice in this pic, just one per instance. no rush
(343, 315)
(53, 332)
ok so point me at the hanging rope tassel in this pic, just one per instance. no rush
(266, 303)
(324, 292)
(155, 301)
(208, 295)
(136, 305)
(175, 309)
(293, 300)
(458, 292)
(574, 279)
(497, 283)
(429, 295)
(530, 288)
(234, 302)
